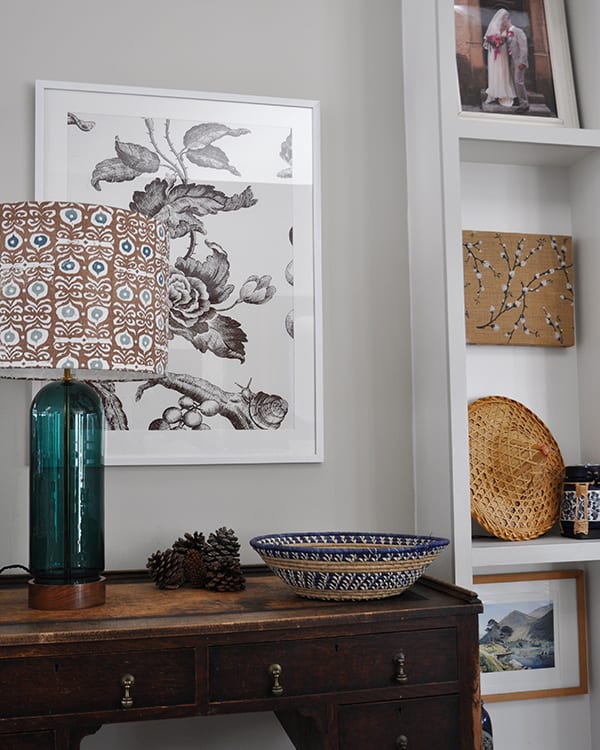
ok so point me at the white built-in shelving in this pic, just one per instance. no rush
(509, 175)
(546, 550)
(494, 173)
(524, 145)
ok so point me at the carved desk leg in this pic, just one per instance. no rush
(311, 728)
(69, 738)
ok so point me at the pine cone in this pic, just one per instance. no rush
(213, 563)
(222, 560)
(224, 542)
(190, 541)
(225, 575)
(166, 569)
(194, 568)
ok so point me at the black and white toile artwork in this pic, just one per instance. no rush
(235, 181)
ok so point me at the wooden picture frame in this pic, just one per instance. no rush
(236, 181)
(532, 635)
(544, 65)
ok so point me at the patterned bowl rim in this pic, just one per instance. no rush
(420, 542)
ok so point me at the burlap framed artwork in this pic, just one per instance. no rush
(518, 289)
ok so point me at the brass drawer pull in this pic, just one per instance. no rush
(402, 742)
(399, 663)
(275, 672)
(127, 682)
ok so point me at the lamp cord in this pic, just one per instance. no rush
(10, 567)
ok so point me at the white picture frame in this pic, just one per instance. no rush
(560, 107)
(236, 178)
(532, 635)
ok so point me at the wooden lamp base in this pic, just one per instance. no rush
(67, 596)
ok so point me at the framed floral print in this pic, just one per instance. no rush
(235, 180)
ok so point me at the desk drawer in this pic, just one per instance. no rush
(416, 724)
(92, 682)
(325, 665)
(28, 741)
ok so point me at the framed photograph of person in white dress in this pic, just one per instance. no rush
(513, 61)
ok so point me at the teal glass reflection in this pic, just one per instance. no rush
(66, 493)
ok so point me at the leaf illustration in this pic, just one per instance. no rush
(223, 336)
(181, 207)
(214, 272)
(137, 157)
(187, 203)
(212, 157)
(245, 199)
(112, 170)
(114, 413)
(152, 199)
(84, 125)
(208, 132)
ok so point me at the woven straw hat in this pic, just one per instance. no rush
(517, 470)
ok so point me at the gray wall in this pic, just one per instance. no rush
(346, 54)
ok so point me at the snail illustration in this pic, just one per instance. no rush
(266, 410)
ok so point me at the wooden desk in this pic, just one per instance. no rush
(390, 673)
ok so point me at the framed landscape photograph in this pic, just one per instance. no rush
(532, 639)
(513, 61)
(235, 179)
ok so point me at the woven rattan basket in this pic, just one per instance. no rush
(516, 470)
(340, 565)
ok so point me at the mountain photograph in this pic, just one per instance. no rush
(520, 639)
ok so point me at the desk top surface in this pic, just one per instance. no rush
(136, 608)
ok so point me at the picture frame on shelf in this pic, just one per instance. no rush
(236, 181)
(532, 637)
(514, 63)
(519, 288)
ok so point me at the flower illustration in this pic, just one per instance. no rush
(257, 291)
(194, 288)
(188, 301)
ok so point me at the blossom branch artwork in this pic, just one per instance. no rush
(233, 180)
(518, 289)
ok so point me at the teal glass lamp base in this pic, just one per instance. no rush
(66, 494)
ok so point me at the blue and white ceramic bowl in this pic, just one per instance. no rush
(348, 565)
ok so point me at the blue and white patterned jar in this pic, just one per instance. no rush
(487, 735)
(580, 507)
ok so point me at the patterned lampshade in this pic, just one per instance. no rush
(82, 287)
